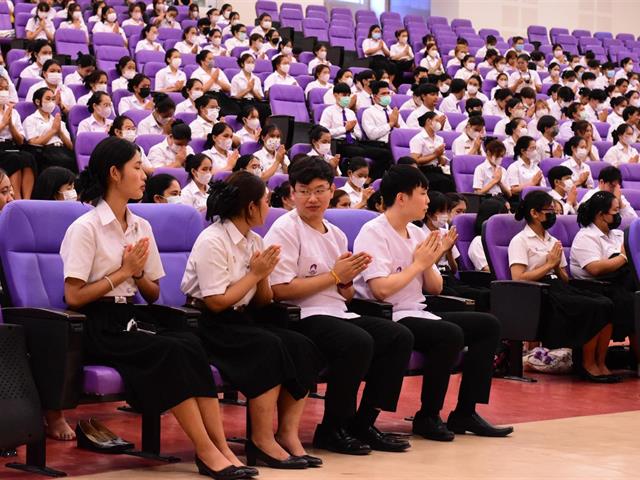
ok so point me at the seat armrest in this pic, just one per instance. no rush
(475, 278)
(595, 286)
(170, 317)
(371, 308)
(519, 306)
(16, 314)
(447, 303)
(637, 318)
(278, 313)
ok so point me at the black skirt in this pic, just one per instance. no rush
(255, 358)
(621, 290)
(571, 316)
(13, 158)
(159, 371)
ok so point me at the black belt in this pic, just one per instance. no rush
(200, 305)
(116, 299)
(550, 277)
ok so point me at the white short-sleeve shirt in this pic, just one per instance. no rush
(527, 249)
(186, 106)
(35, 125)
(200, 128)
(626, 210)
(166, 78)
(391, 254)
(193, 196)
(149, 46)
(5, 133)
(219, 160)
(161, 155)
(149, 126)
(131, 102)
(93, 246)
(267, 159)
(91, 124)
(276, 79)
(354, 196)
(204, 77)
(239, 83)
(519, 173)
(423, 144)
(66, 94)
(578, 170)
(306, 252)
(483, 174)
(619, 153)
(591, 245)
(477, 255)
(33, 24)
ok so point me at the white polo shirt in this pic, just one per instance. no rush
(483, 174)
(219, 160)
(161, 155)
(5, 133)
(267, 159)
(200, 128)
(276, 79)
(149, 46)
(35, 125)
(166, 78)
(534, 79)
(578, 170)
(194, 197)
(354, 196)
(33, 24)
(91, 124)
(93, 246)
(306, 252)
(131, 102)
(591, 245)
(544, 148)
(412, 120)
(477, 255)
(462, 144)
(422, 144)
(315, 62)
(626, 210)
(186, 106)
(66, 95)
(619, 153)
(567, 208)
(527, 249)
(391, 254)
(204, 77)
(449, 104)
(239, 83)
(519, 173)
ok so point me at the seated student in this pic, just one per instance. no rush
(546, 145)
(264, 25)
(109, 24)
(190, 92)
(574, 317)
(622, 150)
(468, 68)
(249, 117)
(472, 107)
(39, 52)
(136, 15)
(239, 37)
(285, 49)
(162, 188)
(148, 38)
(123, 127)
(322, 79)
(402, 267)
(364, 97)
(140, 86)
(597, 252)
(498, 105)
(320, 140)
(320, 52)
(218, 148)
(574, 113)
(401, 55)
(96, 81)
(488, 57)
(490, 177)
(358, 173)
(474, 85)
(457, 204)
(631, 116)
(432, 60)
(427, 149)
(101, 109)
(576, 151)
(208, 112)
(618, 104)
(196, 192)
(85, 64)
(48, 133)
(460, 51)
(471, 141)
(340, 199)
(610, 180)
(528, 97)
(18, 164)
(159, 122)
(379, 119)
(227, 278)
(174, 149)
(248, 163)
(515, 129)
(596, 109)
(52, 79)
(316, 272)
(234, 19)
(189, 42)
(563, 189)
(498, 70)
(429, 96)
(170, 19)
(280, 75)
(55, 183)
(488, 208)
(523, 77)
(215, 45)
(282, 197)
(40, 26)
(415, 100)
(525, 170)
(73, 18)
(584, 129)
(126, 69)
(514, 108)
(171, 78)
(490, 44)
(246, 87)
(212, 78)
(554, 74)
(457, 91)
(273, 154)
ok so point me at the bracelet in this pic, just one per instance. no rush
(106, 277)
(138, 278)
(345, 285)
(335, 276)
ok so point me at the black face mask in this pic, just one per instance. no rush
(617, 220)
(145, 92)
(549, 221)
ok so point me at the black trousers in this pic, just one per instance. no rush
(441, 341)
(381, 156)
(438, 181)
(369, 348)
(51, 156)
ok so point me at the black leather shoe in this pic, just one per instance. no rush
(585, 375)
(313, 462)
(255, 456)
(432, 428)
(250, 472)
(88, 438)
(474, 423)
(115, 439)
(339, 440)
(230, 473)
(382, 442)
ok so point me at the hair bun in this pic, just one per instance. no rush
(222, 197)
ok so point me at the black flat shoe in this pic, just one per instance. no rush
(339, 440)
(313, 462)
(230, 473)
(255, 456)
(432, 428)
(380, 441)
(474, 423)
(585, 375)
(115, 439)
(250, 472)
(88, 438)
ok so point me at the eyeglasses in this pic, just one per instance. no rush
(316, 192)
(548, 210)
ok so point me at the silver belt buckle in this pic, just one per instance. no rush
(118, 299)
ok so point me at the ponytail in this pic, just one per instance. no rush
(535, 200)
(600, 202)
(231, 198)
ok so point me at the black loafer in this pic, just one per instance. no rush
(382, 442)
(585, 375)
(88, 438)
(432, 428)
(339, 440)
(230, 473)
(474, 423)
(256, 456)
(313, 462)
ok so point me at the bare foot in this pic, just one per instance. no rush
(57, 426)
(291, 443)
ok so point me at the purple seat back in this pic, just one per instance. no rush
(350, 221)
(497, 233)
(455, 118)
(249, 148)
(24, 109)
(146, 56)
(299, 148)
(537, 33)
(633, 196)
(603, 147)
(272, 216)
(317, 111)
(548, 163)
(596, 167)
(233, 122)
(630, 175)
(399, 141)
(565, 230)
(85, 143)
(276, 180)
(180, 174)
(78, 90)
(186, 117)
(147, 141)
(137, 116)
(263, 6)
(288, 100)
(462, 169)
(315, 27)
(77, 113)
(70, 41)
(25, 85)
(30, 254)
(490, 122)
(448, 137)
(342, 37)
(106, 39)
(465, 224)
(290, 17)
(603, 128)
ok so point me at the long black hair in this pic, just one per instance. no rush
(600, 202)
(488, 208)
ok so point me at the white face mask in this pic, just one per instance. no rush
(212, 114)
(76, 15)
(225, 143)
(472, 89)
(322, 54)
(272, 144)
(495, 161)
(48, 107)
(196, 94)
(54, 78)
(502, 84)
(473, 134)
(522, 131)
(101, 87)
(43, 58)
(324, 77)
(287, 50)
(257, 171)
(324, 148)
(266, 25)
(253, 123)
(174, 199)
(129, 74)
(581, 153)
(433, 53)
(249, 67)
(349, 81)
(568, 184)
(42, 15)
(285, 68)
(216, 41)
(203, 178)
(69, 195)
(444, 88)
(129, 135)
(533, 156)
(358, 181)
(136, 15)
(436, 126)
(628, 139)
(106, 111)
(542, 113)
(112, 17)
(441, 220)
(176, 62)
(4, 97)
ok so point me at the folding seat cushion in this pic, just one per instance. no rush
(106, 39)
(291, 18)
(342, 37)
(288, 100)
(537, 33)
(315, 27)
(465, 226)
(462, 169)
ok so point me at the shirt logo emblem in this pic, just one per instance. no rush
(313, 269)
(398, 270)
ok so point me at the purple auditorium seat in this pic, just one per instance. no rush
(137, 116)
(108, 57)
(462, 169)
(288, 100)
(169, 33)
(554, 32)
(118, 95)
(24, 109)
(77, 113)
(565, 230)
(633, 196)
(222, 176)
(226, 62)
(147, 141)
(186, 117)
(146, 56)
(249, 148)
(305, 57)
(105, 39)
(276, 180)
(274, 214)
(399, 141)
(603, 128)
(490, 122)
(350, 221)
(232, 121)
(537, 33)
(69, 41)
(630, 175)
(14, 55)
(596, 167)
(418, 19)
(398, 100)
(527, 190)
(484, 32)
(198, 144)
(78, 90)
(569, 43)
(316, 97)
(340, 11)
(603, 147)
(21, 22)
(290, 17)
(602, 35)
(340, 182)
(548, 163)
(465, 226)
(150, 69)
(632, 249)
(25, 85)
(581, 33)
(130, 30)
(180, 174)
(298, 148)
(448, 137)
(455, 119)
(263, 66)
(376, 184)
(303, 80)
(587, 43)
(84, 145)
(315, 11)
(315, 27)
(342, 37)
(461, 22)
